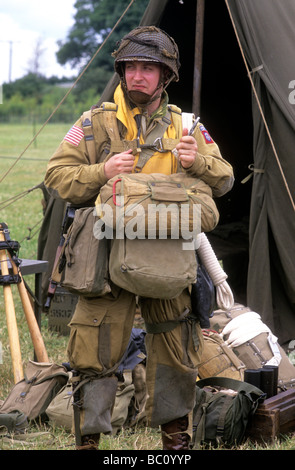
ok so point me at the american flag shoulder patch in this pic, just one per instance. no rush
(74, 135)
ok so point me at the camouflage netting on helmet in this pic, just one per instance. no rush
(148, 43)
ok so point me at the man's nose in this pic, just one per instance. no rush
(138, 74)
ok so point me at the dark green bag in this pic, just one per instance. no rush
(222, 411)
(14, 422)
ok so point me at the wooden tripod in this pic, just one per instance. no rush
(12, 328)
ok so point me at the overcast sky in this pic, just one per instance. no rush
(25, 22)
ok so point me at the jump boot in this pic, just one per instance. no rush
(174, 436)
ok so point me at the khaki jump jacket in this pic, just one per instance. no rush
(70, 176)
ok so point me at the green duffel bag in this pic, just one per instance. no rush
(222, 410)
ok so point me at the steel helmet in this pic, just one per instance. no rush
(148, 43)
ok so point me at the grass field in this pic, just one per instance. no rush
(21, 210)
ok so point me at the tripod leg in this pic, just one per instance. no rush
(15, 350)
(35, 333)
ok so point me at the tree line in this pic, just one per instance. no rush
(34, 96)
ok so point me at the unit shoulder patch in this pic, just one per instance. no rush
(206, 135)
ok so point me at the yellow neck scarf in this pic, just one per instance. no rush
(165, 162)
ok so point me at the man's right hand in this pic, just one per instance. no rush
(119, 163)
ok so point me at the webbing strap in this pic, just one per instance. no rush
(169, 325)
(163, 327)
(221, 419)
(89, 138)
(153, 142)
(111, 122)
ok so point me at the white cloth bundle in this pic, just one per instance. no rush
(245, 327)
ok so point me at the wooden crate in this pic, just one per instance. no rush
(273, 418)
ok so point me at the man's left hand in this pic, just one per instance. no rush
(187, 149)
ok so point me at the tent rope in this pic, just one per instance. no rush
(69, 91)
(260, 108)
(11, 200)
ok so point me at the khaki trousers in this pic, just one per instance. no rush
(100, 332)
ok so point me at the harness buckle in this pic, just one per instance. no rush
(158, 145)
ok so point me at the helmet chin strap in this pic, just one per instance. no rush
(141, 99)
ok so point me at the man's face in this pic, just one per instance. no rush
(142, 76)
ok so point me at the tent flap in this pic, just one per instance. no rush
(267, 36)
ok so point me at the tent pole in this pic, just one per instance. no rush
(200, 10)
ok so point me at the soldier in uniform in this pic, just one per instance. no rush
(147, 60)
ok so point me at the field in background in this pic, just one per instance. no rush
(24, 217)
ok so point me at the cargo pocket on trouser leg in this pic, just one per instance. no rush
(83, 342)
(100, 332)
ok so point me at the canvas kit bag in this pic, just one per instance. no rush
(155, 268)
(60, 409)
(164, 204)
(129, 405)
(155, 263)
(243, 331)
(218, 359)
(222, 411)
(82, 267)
(32, 395)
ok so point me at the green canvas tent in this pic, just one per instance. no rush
(238, 74)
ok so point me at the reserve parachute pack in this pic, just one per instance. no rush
(160, 205)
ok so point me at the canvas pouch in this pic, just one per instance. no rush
(83, 264)
(32, 395)
(218, 359)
